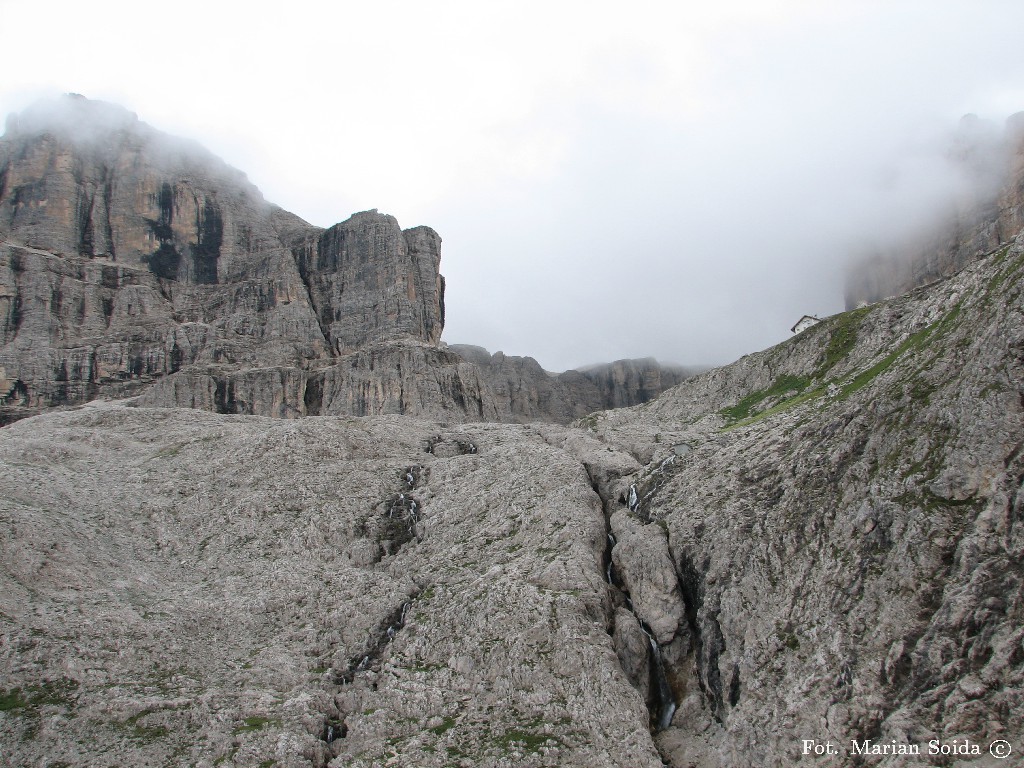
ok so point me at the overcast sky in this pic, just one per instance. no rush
(610, 180)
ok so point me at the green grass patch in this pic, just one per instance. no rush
(914, 342)
(12, 700)
(787, 637)
(789, 391)
(931, 502)
(255, 723)
(841, 341)
(529, 741)
(781, 387)
(447, 724)
(1002, 275)
(920, 389)
(785, 405)
(147, 734)
(139, 731)
(52, 693)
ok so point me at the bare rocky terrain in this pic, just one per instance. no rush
(824, 540)
(820, 544)
(195, 588)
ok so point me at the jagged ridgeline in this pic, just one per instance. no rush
(817, 549)
(134, 263)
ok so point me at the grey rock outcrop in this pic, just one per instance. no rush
(524, 391)
(282, 592)
(643, 563)
(845, 531)
(371, 282)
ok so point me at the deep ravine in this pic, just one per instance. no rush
(661, 701)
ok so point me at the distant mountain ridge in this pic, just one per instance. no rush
(135, 263)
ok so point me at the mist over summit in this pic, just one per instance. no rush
(140, 264)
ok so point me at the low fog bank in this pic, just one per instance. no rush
(972, 206)
(704, 247)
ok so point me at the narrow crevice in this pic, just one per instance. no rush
(385, 633)
(413, 476)
(108, 193)
(444, 447)
(304, 276)
(638, 496)
(313, 393)
(394, 523)
(661, 701)
(706, 650)
(401, 519)
(334, 726)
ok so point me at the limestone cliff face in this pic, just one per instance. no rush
(457, 383)
(523, 390)
(987, 214)
(79, 177)
(134, 263)
(631, 382)
(372, 282)
(126, 255)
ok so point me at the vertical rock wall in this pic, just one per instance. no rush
(371, 282)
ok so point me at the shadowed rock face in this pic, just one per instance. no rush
(86, 178)
(521, 388)
(372, 282)
(134, 263)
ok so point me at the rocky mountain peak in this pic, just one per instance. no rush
(372, 282)
(135, 263)
(88, 178)
(74, 118)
